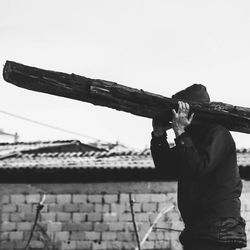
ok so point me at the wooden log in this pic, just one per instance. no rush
(120, 97)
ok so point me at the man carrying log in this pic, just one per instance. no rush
(209, 185)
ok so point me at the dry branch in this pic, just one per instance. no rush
(131, 202)
(120, 97)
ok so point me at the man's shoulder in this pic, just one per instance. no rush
(219, 130)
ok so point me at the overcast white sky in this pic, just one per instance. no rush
(159, 46)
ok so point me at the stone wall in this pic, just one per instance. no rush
(92, 216)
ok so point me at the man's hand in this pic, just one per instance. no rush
(160, 127)
(180, 119)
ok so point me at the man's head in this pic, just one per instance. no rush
(195, 93)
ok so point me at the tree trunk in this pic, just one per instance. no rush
(120, 97)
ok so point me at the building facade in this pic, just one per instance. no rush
(87, 195)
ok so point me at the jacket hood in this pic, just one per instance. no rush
(195, 93)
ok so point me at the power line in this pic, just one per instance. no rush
(48, 125)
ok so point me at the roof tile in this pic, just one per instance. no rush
(117, 158)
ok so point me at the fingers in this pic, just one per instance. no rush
(183, 107)
(174, 112)
(191, 118)
(186, 107)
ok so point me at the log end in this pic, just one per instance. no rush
(8, 68)
(7, 71)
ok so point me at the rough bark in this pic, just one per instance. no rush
(120, 97)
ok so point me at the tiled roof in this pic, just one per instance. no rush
(12, 149)
(79, 160)
(20, 146)
(117, 158)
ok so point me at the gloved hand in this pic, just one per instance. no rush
(160, 125)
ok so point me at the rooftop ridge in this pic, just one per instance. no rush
(37, 142)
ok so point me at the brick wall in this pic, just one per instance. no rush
(92, 216)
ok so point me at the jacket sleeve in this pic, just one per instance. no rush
(163, 156)
(201, 160)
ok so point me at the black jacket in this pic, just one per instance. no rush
(209, 185)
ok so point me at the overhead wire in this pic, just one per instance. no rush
(50, 126)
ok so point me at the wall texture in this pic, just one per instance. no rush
(93, 216)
